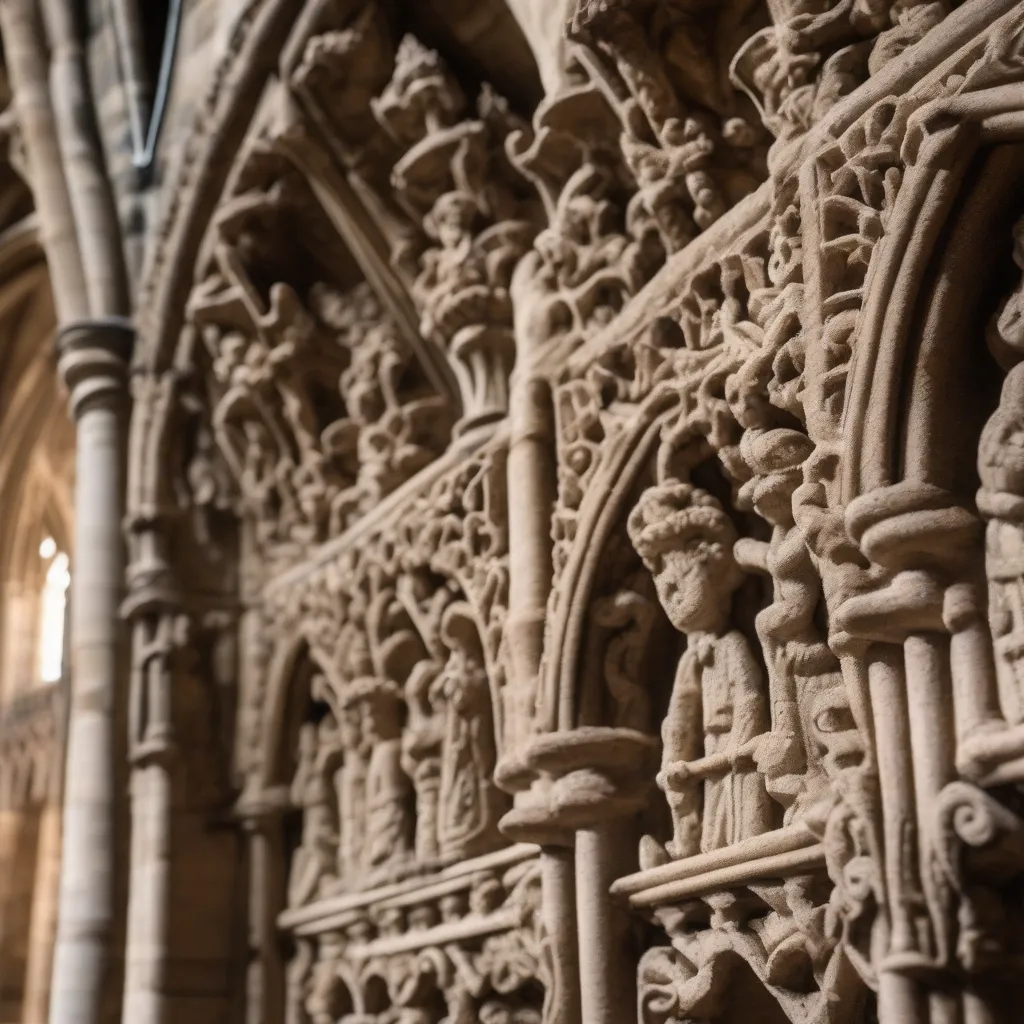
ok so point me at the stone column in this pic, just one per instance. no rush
(152, 755)
(10, 822)
(260, 815)
(605, 853)
(44, 917)
(93, 361)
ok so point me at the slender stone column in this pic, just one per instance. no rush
(607, 968)
(44, 917)
(152, 761)
(93, 361)
(260, 815)
(559, 910)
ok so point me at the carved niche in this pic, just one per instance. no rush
(318, 408)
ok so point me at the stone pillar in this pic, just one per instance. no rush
(605, 853)
(43, 927)
(913, 627)
(559, 911)
(93, 361)
(152, 754)
(10, 822)
(260, 815)
(149, 887)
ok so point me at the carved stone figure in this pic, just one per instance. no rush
(468, 798)
(312, 793)
(717, 711)
(387, 826)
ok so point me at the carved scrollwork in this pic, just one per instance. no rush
(813, 54)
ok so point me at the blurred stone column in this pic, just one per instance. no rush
(93, 361)
(43, 927)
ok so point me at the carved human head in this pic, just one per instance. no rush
(685, 539)
(464, 679)
(452, 217)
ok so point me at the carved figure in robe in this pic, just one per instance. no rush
(311, 792)
(468, 811)
(351, 794)
(717, 710)
(422, 742)
(388, 822)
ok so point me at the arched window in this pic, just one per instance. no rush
(54, 601)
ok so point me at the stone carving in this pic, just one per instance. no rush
(686, 140)
(477, 215)
(473, 953)
(814, 54)
(686, 541)
(576, 538)
(319, 412)
(398, 775)
(316, 860)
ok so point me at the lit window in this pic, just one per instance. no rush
(54, 603)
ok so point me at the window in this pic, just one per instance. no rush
(53, 606)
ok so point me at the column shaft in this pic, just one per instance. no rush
(93, 362)
(607, 968)
(44, 918)
(559, 910)
(148, 908)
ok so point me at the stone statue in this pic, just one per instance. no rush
(468, 797)
(388, 824)
(315, 859)
(685, 539)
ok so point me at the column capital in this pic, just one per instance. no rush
(92, 358)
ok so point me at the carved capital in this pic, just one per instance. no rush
(93, 361)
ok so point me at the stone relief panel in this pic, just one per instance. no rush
(781, 749)
(755, 628)
(466, 948)
(390, 785)
(405, 632)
